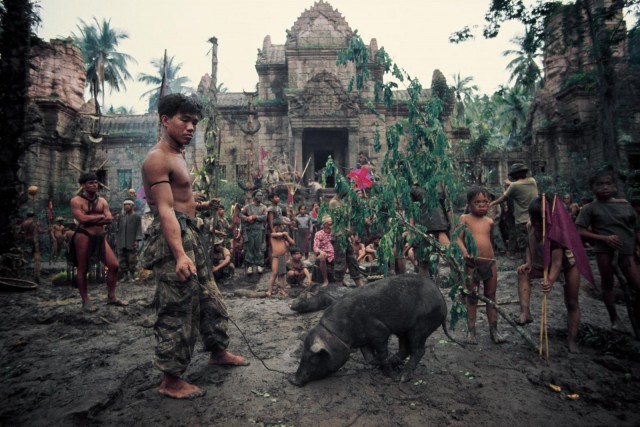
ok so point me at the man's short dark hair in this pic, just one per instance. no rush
(87, 176)
(272, 195)
(177, 103)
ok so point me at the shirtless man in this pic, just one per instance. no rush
(482, 266)
(89, 244)
(57, 237)
(187, 296)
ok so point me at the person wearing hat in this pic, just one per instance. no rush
(138, 204)
(254, 217)
(128, 240)
(222, 268)
(57, 238)
(522, 191)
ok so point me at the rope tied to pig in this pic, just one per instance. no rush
(347, 346)
(253, 353)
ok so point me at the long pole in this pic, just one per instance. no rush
(543, 317)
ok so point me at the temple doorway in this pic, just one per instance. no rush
(319, 144)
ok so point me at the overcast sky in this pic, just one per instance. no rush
(414, 32)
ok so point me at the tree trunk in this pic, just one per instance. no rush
(15, 45)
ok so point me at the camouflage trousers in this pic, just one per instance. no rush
(344, 259)
(254, 247)
(184, 309)
(128, 260)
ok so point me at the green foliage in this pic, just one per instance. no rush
(585, 80)
(105, 64)
(416, 155)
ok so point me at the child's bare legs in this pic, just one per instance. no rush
(524, 295)
(571, 289)
(274, 275)
(471, 301)
(282, 291)
(490, 286)
(632, 274)
(606, 274)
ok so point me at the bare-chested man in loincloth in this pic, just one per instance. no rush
(187, 296)
(88, 244)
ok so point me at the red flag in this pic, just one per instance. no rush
(263, 155)
(361, 178)
(561, 230)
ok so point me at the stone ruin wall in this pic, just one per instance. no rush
(564, 119)
(58, 73)
(56, 92)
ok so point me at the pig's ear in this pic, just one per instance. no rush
(318, 345)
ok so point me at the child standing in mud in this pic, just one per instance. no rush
(280, 242)
(483, 266)
(562, 260)
(613, 228)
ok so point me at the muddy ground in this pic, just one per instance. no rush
(61, 366)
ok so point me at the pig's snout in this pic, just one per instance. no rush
(293, 379)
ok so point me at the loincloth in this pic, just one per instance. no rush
(95, 249)
(482, 270)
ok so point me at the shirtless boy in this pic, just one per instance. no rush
(280, 242)
(187, 296)
(89, 244)
(481, 267)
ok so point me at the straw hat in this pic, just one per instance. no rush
(327, 220)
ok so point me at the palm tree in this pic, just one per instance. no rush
(120, 110)
(512, 108)
(525, 68)
(463, 94)
(99, 43)
(174, 83)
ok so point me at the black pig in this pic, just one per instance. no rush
(317, 298)
(408, 306)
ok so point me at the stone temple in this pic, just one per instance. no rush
(301, 114)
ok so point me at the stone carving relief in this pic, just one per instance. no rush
(324, 96)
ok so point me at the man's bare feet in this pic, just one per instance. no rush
(325, 284)
(524, 319)
(495, 335)
(618, 326)
(227, 358)
(269, 294)
(177, 388)
(283, 293)
(573, 347)
(471, 337)
(118, 302)
(89, 307)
